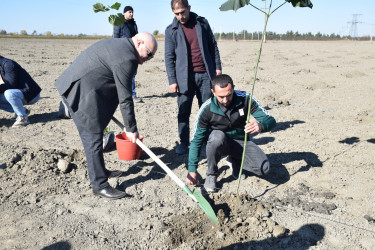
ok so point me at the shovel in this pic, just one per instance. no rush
(195, 194)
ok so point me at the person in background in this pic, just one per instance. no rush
(225, 114)
(128, 30)
(17, 88)
(92, 87)
(192, 60)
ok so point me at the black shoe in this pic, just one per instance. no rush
(110, 193)
(114, 173)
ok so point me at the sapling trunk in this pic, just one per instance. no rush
(252, 88)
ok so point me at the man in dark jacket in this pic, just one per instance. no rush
(128, 30)
(192, 60)
(225, 115)
(93, 86)
(17, 88)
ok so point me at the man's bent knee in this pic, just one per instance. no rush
(216, 139)
(9, 94)
(265, 167)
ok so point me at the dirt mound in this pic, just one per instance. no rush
(240, 220)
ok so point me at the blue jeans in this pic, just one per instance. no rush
(200, 86)
(12, 100)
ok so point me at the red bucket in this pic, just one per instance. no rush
(126, 150)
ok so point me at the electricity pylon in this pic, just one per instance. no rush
(353, 28)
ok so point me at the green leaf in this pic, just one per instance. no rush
(236, 4)
(98, 7)
(117, 19)
(116, 6)
(299, 3)
(233, 5)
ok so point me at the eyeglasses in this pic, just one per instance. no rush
(149, 53)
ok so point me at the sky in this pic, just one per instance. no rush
(77, 16)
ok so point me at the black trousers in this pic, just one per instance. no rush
(93, 146)
(200, 86)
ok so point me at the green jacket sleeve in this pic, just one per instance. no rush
(263, 117)
(195, 148)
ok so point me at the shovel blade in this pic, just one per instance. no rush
(205, 206)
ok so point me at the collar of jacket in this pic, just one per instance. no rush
(216, 109)
(131, 21)
(176, 23)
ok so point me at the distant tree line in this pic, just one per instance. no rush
(289, 35)
(34, 33)
(23, 33)
(243, 35)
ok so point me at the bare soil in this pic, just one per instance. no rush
(319, 194)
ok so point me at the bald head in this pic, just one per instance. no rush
(149, 40)
(146, 46)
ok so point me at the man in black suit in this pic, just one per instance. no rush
(98, 80)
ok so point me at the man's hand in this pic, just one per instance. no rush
(174, 88)
(191, 178)
(218, 72)
(253, 127)
(133, 136)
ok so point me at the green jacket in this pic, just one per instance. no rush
(211, 117)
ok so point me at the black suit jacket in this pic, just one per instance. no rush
(98, 80)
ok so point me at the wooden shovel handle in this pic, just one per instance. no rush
(160, 163)
(154, 157)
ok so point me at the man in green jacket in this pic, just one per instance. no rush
(225, 115)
